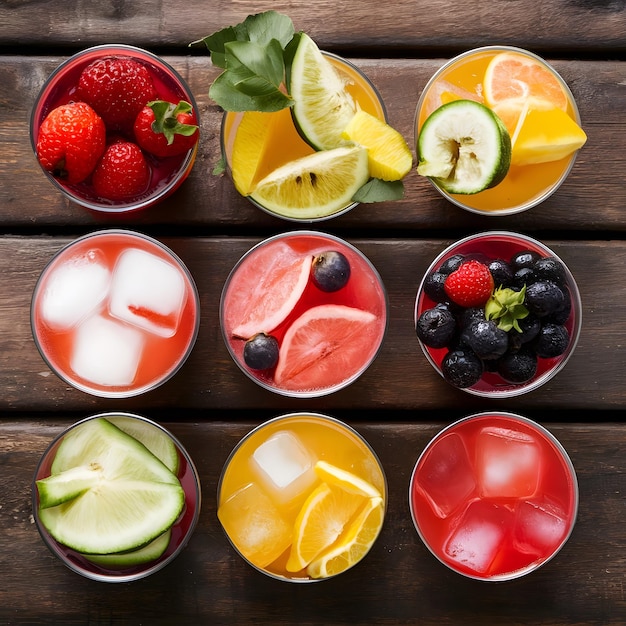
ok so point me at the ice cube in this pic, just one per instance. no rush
(446, 476)
(148, 292)
(255, 525)
(508, 463)
(479, 535)
(74, 289)
(284, 466)
(540, 526)
(106, 352)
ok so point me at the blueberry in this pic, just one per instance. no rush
(451, 264)
(543, 298)
(471, 315)
(561, 315)
(550, 268)
(551, 341)
(486, 339)
(530, 326)
(433, 286)
(526, 258)
(436, 327)
(517, 367)
(331, 271)
(501, 272)
(523, 276)
(462, 368)
(261, 352)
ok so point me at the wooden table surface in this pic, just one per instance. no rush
(400, 402)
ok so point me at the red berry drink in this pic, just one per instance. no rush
(116, 82)
(115, 313)
(303, 314)
(494, 496)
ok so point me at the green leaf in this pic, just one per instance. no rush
(246, 60)
(220, 166)
(507, 306)
(377, 190)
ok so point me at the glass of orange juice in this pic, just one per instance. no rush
(537, 109)
(302, 497)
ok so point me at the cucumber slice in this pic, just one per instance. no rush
(146, 554)
(464, 148)
(59, 488)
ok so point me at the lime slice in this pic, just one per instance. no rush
(146, 554)
(132, 497)
(322, 106)
(314, 186)
(464, 148)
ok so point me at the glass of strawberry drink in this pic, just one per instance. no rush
(84, 524)
(303, 314)
(494, 496)
(115, 128)
(498, 314)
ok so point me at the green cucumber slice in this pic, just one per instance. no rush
(464, 148)
(145, 554)
(59, 488)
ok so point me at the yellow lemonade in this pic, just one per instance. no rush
(524, 185)
(293, 479)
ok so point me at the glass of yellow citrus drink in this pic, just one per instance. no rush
(302, 497)
(535, 107)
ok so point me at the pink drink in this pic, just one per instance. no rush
(115, 313)
(327, 352)
(494, 496)
(167, 174)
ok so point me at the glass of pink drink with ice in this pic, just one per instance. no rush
(494, 496)
(115, 313)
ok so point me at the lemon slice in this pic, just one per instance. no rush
(321, 520)
(354, 544)
(314, 186)
(389, 155)
(345, 480)
(322, 106)
(145, 554)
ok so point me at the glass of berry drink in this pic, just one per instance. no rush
(498, 314)
(106, 88)
(494, 496)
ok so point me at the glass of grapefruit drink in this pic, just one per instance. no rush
(303, 314)
(115, 313)
(302, 497)
(497, 130)
(110, 86)
(494, 496)
(116, 497)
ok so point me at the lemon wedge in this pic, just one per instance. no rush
(343, 479)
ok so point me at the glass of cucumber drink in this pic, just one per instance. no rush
(116, 497)
(305, 137)
(498, 314)
(497, 130)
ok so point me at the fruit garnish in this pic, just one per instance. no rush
(464, 148)
(506, 306)
(122, 171)
(337, 477)
(314, 186)
(389, 155)
(470, 285)
(261, 352)
(71, 140)
(145, 554)
(330, 271)
(354, 543)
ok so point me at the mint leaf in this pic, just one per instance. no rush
(263, 27)
(377, 190)
(246, 60)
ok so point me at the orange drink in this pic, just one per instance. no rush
(302, 497)
(471, 76)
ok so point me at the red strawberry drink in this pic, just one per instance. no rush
(498, 314)
(115, 313)
(115, 128)
(494, 496)
(303, 314)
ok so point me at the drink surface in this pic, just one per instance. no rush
(115, 314)
(494, 496)
(277, 483)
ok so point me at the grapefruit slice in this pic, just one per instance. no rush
(265, 290)
(325, 346)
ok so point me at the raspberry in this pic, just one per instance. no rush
(122, 173)
(470, 285)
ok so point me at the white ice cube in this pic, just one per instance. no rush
(147, 292)
(75, 289)
(284, 466)
(539, 526)
(106, 352)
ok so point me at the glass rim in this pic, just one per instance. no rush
(90, 389)
(568, 466)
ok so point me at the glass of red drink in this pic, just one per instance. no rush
(322, 340)
(115, 313)
(494, 496)
(166, 174)
(181, 531)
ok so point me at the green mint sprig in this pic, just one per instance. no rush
(507, 307)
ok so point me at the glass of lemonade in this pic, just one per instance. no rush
(285, 144)
(525, 185)
(132, 564)
(317, 340)
(494, 496)
(166, 174)
(302, 497)
(115, 313)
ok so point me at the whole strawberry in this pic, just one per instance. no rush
(117, 88)
(166, 129)
(71, 139)
(122, 172)
(470, 285)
